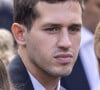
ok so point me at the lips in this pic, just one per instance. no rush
(64, 58)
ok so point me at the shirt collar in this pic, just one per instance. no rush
(37, 85)
(86, 36)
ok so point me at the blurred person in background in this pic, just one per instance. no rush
(97, 47)
(85, 71)
(97, 43)
(7, 50)
(6, 14)
(5, 83)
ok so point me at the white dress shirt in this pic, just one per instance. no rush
(6, 2)
(89, 60)
(37, 85)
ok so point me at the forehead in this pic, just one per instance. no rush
(60, 5)
(62, 11)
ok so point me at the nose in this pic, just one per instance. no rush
(64, 40)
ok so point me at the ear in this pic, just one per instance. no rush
(18, 31)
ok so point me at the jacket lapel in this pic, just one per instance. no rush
(19, 75)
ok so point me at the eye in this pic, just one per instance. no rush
(74, 29)
(52, 29)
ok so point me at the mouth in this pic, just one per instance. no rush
(64, 58)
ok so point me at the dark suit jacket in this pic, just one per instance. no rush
(19, 75)
(77, 80)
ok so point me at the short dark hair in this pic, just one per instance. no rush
(25, 12)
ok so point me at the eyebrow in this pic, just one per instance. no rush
(59, 25)
(52, 25)
(76, 25)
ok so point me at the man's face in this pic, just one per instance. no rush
(92, 12)
(54, 40)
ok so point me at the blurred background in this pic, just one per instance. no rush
(6, 14)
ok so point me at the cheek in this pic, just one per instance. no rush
(76, 45)
(76, 41)
(43, 45)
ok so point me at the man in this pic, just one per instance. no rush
(86, 67)
(48, 33)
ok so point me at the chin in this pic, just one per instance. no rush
(62, 73)
(67, 73)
